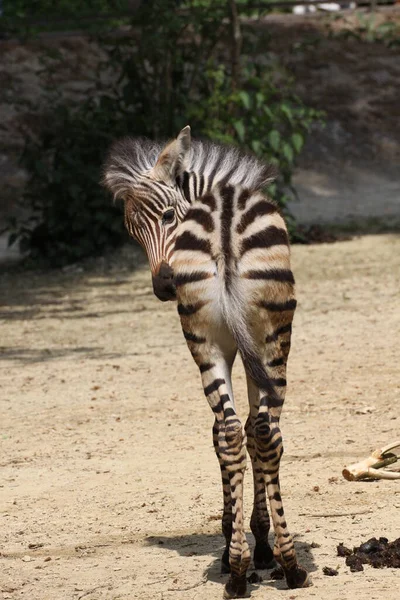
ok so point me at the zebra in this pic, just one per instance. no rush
(219, 246)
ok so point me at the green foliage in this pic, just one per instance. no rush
(367, 30)
(264, 117)
(26, 18)
(70, 215)
(173, 71)
(46, 8)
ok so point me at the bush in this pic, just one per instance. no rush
(264, 117)
(70, 215)
(169, 72)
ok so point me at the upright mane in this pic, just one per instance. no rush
(131, 157)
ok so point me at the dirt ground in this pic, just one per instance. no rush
(107, 492)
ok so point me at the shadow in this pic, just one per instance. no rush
(64, 294)
(214, 544)
(32, 355)
(76, 312)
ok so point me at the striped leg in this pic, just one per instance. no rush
(231, 452)
(260, 523)
(227, 500)
(230, 444)
(226, 488)
(269, 448)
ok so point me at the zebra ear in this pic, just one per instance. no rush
(174, 158)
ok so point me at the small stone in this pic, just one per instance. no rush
(330, 572)
(277, 573)
(355, 563)
(27, 558)
(343, 551)
(254, 578)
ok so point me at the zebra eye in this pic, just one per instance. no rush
(168, 216)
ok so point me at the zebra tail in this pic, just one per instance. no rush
(235, 317)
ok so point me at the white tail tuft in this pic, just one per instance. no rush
(234, 312)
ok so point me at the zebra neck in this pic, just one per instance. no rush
(193, 185)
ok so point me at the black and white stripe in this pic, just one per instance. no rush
(200, 208)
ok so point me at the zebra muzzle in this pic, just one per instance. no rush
(163, 283)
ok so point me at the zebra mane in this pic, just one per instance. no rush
(129, 158)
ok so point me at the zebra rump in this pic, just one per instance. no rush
(233, 308)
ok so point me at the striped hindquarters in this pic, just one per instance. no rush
(242, 239)
(262, 255)
(239, 240)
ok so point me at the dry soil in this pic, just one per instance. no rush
(109, 485)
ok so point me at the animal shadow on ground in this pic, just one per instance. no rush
(51, 296)
(27, 356)
(212, 544)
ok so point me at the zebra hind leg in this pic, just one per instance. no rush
(230, 447)
(229, 440)
(214, 349)
(227, 504)
(269, 449)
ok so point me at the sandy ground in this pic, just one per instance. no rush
(107, 466)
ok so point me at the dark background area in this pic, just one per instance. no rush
(316, 94)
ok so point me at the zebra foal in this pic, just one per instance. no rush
(218, 246)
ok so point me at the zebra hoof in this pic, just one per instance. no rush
(297, 578)
(225, 566)
(264, 557)
(236, 587)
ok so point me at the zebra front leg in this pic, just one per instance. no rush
(260, 522)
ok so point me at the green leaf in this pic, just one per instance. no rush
(287, 112)
(260, 98)
(268, 112)
(256, 146)
(240, 130)
(245, 98)
(297, 141)
(274, 138)
(288, 152)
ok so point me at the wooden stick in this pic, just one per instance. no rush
(386, 449)
(383, 474)
(368, 468)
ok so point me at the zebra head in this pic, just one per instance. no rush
(146, 176)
